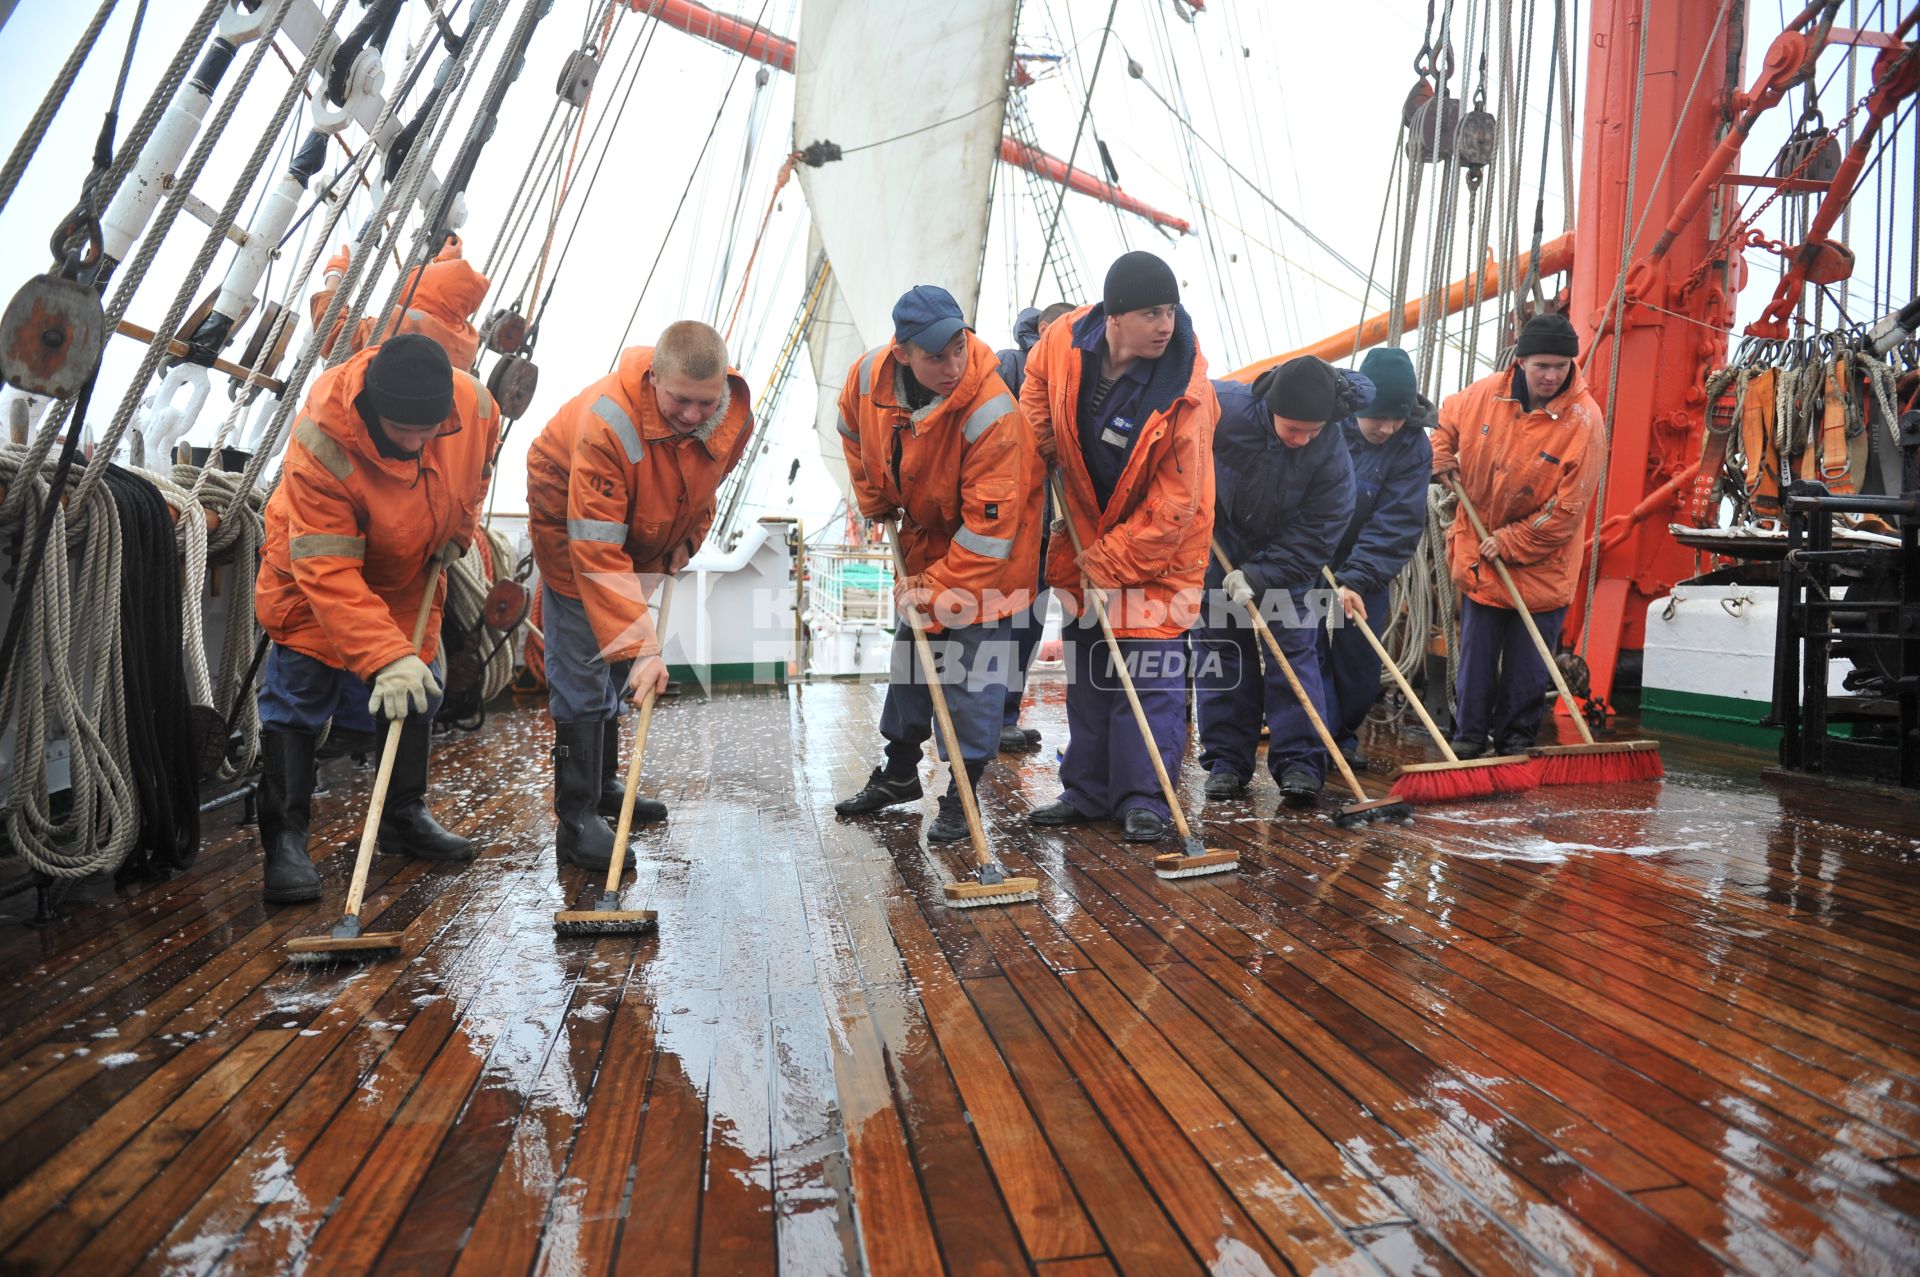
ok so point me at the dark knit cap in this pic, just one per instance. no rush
(410, 382)
(1307, 389)
(1395, 388)
(1137, 281)
(1548, 335)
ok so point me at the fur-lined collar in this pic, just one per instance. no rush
(915, 415)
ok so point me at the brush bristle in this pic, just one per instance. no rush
(1468, 783)
(974, 902)
(1197, 871)
(605, 925)
(1614, 767)
(338, 957)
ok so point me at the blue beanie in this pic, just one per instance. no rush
(1395, 389)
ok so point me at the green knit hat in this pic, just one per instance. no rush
(1395, 389)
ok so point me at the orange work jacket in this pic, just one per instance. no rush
(350, 532)
(1150, 543)
(613, 489)
(1530, 475)
(441, 307)
(963, 471)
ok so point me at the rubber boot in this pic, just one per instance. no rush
(580, 836)
(613, 782)
(286, 803)
(407, 828)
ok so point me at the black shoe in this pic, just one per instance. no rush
(1014, 740)
(1355, 759)
(1033, 736)
(286, 802)
(613, 785)
(580, 836)
(881, 790)
(1299, 787)
(1226, 783)
(1143, 826)
(1474, 748)
(407, 828)
(951, 824)
(1512, 745)
(1058, 813)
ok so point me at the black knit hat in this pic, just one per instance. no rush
(1137, 281)
(1548, 335)
(410, 382)
(1308, 389)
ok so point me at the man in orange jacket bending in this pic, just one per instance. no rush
(383, 483)
(1119, 400)
(620, 486)
(933, 437)
(1526, 445)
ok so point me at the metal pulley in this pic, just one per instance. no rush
(1433, 124)
(1810, 152)
(506, 605)
(577, 76)
(1478, 139)
(52, 336)
(512, 383)
(504, 332)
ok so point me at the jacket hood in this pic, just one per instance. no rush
(1026, 329)
(451, 288)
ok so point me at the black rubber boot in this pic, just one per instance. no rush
(580, 837)
(950, 825)
(407, 828)
(613, 782)
(286, 803)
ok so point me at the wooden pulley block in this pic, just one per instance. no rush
(504, 331)
(506, 605)
(257, 343)
(512, 383)
(51, 336)
(203, 312)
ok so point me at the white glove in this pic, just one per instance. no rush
(1237, 587)
(405, 682)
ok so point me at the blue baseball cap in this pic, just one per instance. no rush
(927, 316)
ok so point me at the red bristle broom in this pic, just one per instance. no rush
(1457, 779)
(1590, 762)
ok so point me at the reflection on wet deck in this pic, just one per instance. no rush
(1668, 1028)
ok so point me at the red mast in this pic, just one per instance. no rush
(1675, 327)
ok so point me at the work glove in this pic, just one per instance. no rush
(1238, 588)
(404, 683)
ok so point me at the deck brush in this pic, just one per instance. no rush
(991, 885)
(1196, 859)
(348, 941)
(1456, 779)
(1590, 762)
(1362, 810)
(606, 917)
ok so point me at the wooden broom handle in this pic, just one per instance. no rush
(1120, 665)
(1332, 747)
(956, 762)
(369, 834)
(1406, 688)
(1526, 617)
(625, 827)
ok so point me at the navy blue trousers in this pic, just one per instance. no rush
(301, 694)
(1234, 696)
(1352, 671)
(1501, 687)
(1024, 627)
(1107, 770)
(973, 663)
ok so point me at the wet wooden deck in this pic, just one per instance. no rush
(1666, 1028)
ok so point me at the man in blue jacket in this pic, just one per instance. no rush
(1392, 460)
(1283, 494)
(1028, 623)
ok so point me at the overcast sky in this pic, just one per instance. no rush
(1302, 97)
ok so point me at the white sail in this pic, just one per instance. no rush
(914, 91)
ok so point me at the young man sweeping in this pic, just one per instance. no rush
(383, 482)
(1118, 397)
(1283, 496)
(1386, 440)
(620, 489)
(933, 438)
(1525, 444)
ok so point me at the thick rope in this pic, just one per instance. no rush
(36, 130)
